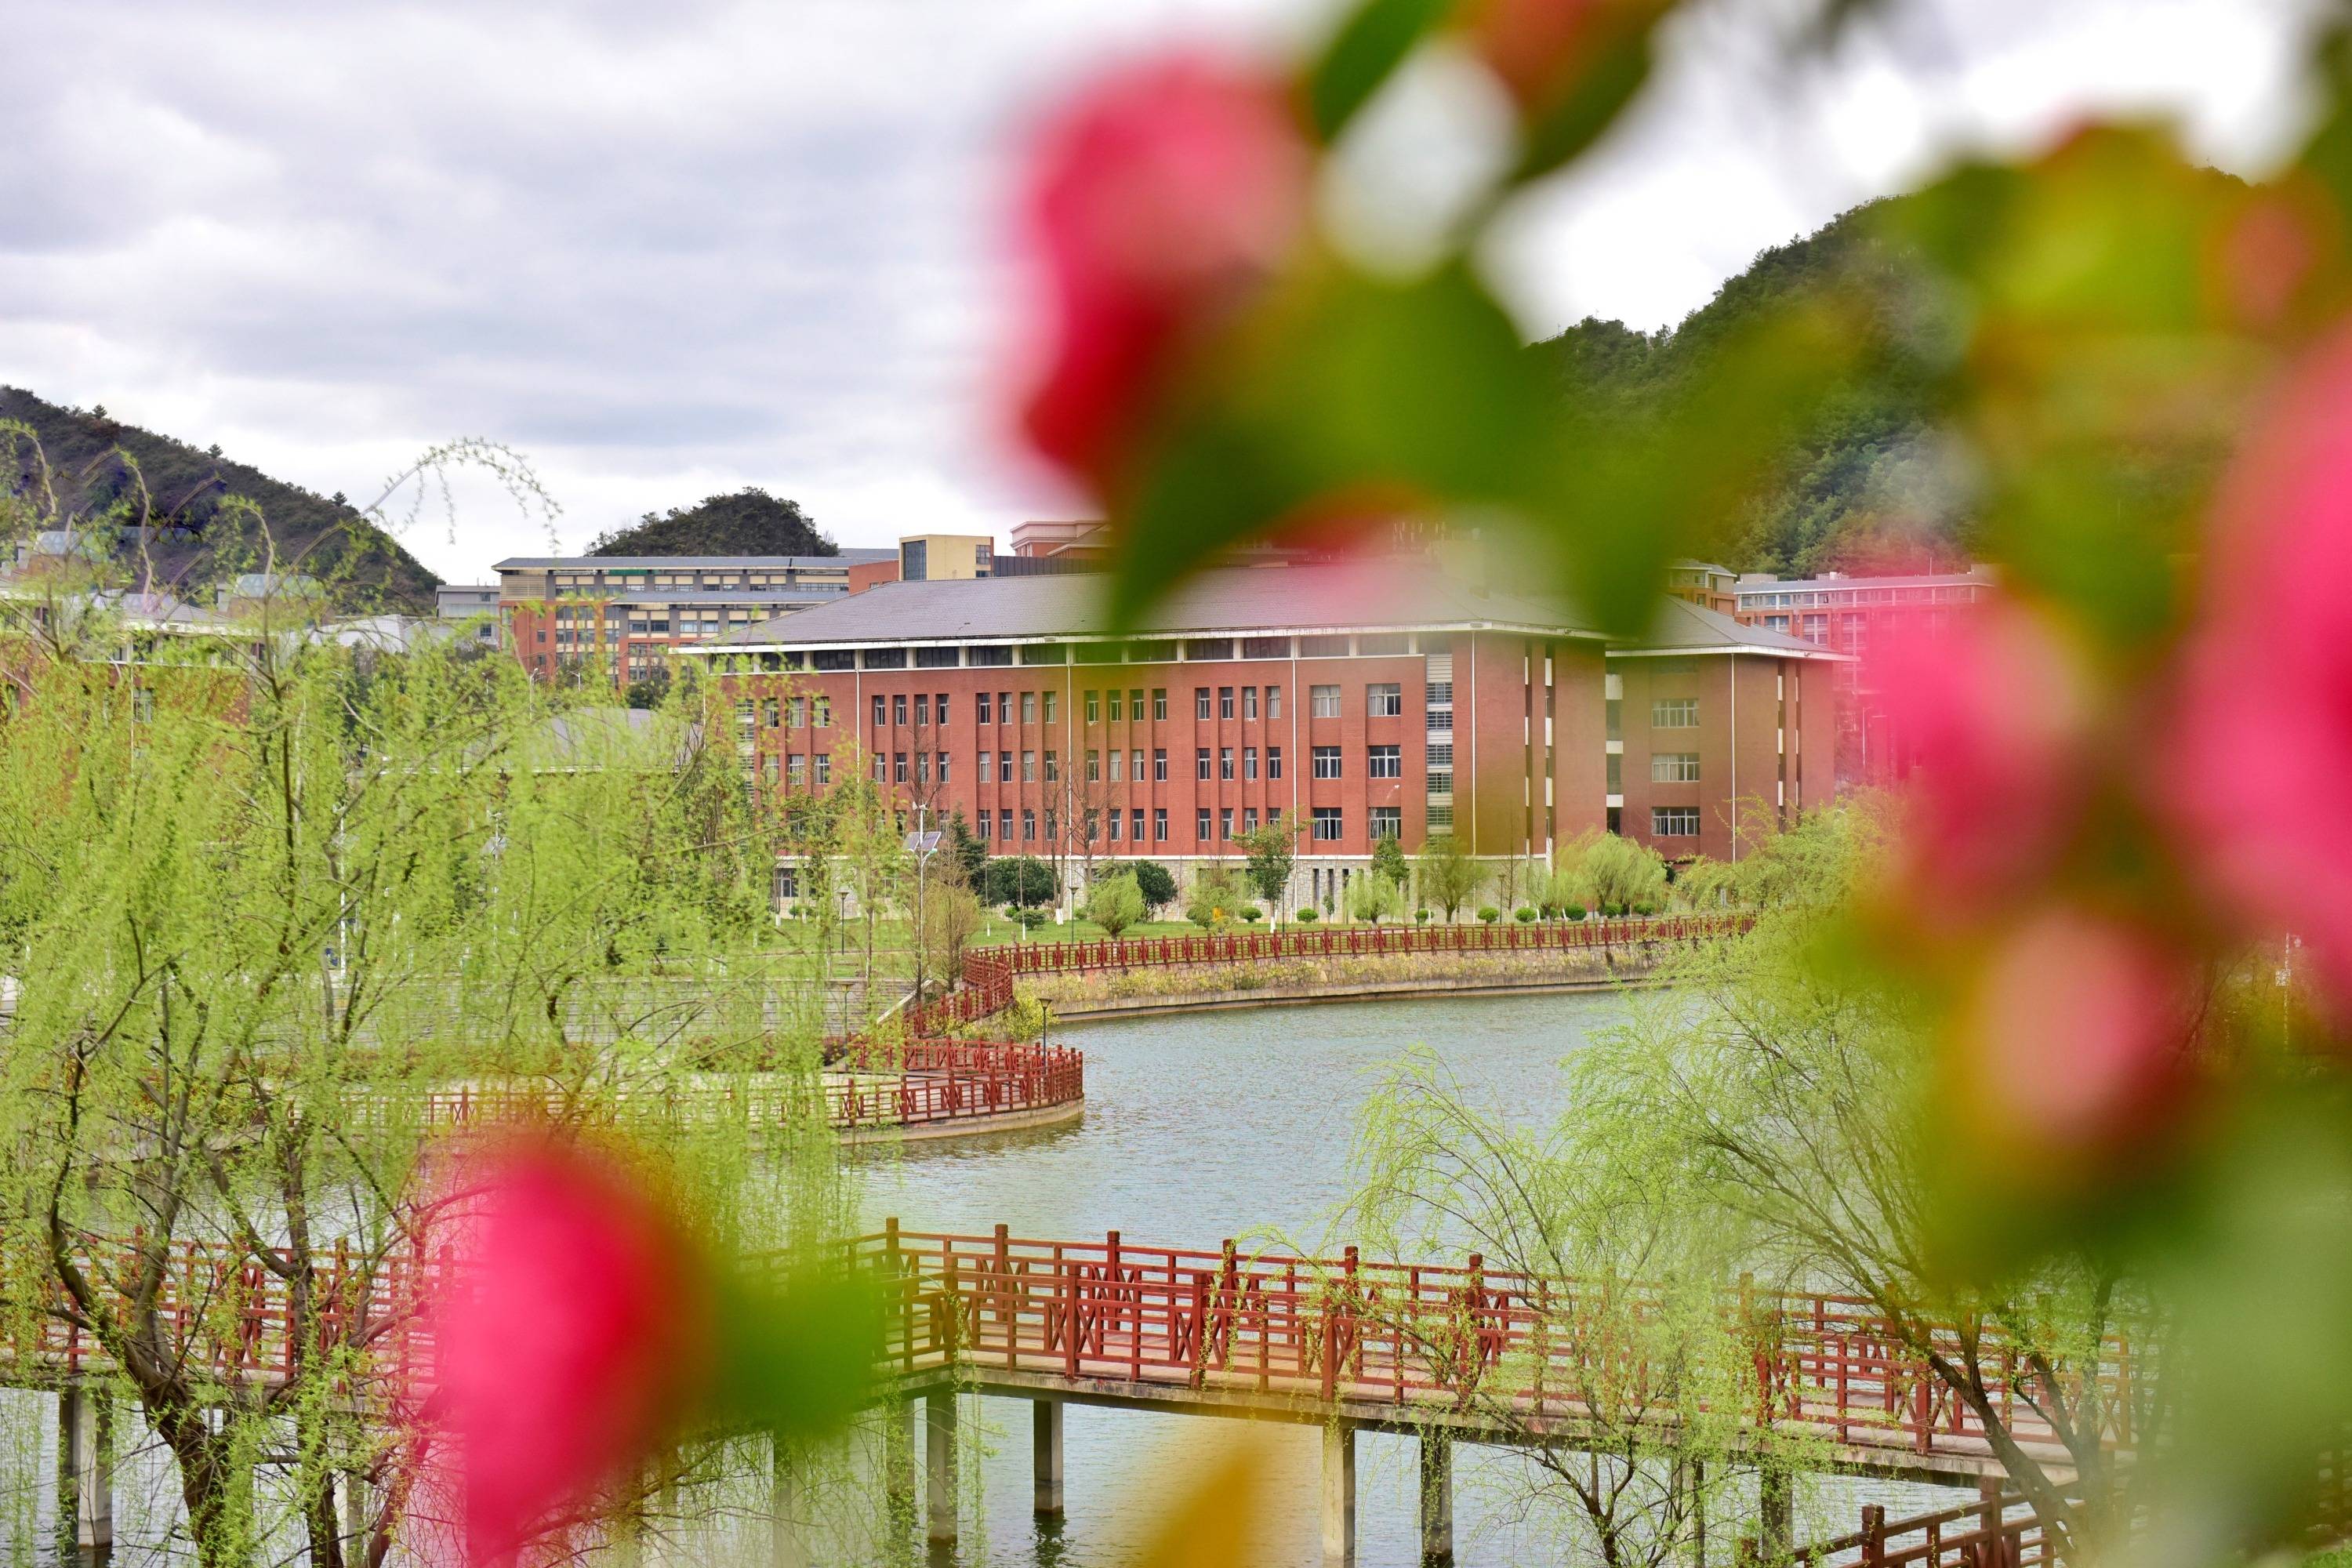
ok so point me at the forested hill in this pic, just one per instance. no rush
(326, 537)
(1865, 490)
(748, 522)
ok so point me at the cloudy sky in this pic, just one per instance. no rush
(672, 248)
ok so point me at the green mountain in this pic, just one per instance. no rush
(196, 540)
(1868, 487)
(748, 522)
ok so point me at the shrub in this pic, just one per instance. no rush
(1031, 919)
(1523, 914)
(1489, 913)
(1614, 911)
(1252, 915)
(1421, 916)
(1021, 879)
(1645, 910)
(1572, 912)
(1306, 917)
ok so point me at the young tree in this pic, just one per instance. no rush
(1218, 895)
(869, 845)
(967, 850)
(1272, 850)
(1449, 877)
(1388, 860)
(1155, 883)
(1114, 903)
(1372, 899)
(1610, 871)
(1022, 882)
(951, 915)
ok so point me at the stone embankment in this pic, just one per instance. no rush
(1368, 977)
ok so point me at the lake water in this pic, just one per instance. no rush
(1209, 1125)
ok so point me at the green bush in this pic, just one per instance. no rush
(1306, 917)
(1572, 912)
(1421, 916)
(1031, 919)
(1489, 913)
(1645, 910)
(1252, 915)
(1523, 914)
(1614, 911)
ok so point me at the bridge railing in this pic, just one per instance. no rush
(1994, 1531)
(1351, 942)
(1401, 1334)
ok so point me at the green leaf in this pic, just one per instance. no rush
(1589, 107)
(796, 1356)
(1362, 54)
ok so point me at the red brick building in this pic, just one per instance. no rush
(1371, 698)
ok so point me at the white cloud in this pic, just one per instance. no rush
(669, 250)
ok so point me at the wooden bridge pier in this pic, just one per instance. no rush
(788, 1528)
(1436, 1498)
(1339, 1495)
(1046, 1455)
(85, 1475)
(939, 1467)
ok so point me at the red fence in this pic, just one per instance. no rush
(1396, 1334)
(1994, 1531)
(920, 1083)
(1351, 942)
(987, 989)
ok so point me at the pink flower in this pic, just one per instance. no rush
(2075, 1040)
(1989, 715)
(572, 1328)
(2257, 775)
(1159, 201)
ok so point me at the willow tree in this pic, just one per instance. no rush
(278, 910)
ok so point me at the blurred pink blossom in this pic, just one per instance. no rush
(1989, 713)
(2259, 773)
(571, 1329)
(1158, 200)
(2075, 1039)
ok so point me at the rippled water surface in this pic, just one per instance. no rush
(1209, 1125)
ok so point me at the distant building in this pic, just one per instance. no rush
(1378, 697)
(1851, 616)
(474, 602)
(629, 612)
(1701, 583)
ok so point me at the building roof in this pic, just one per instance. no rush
(1683, 628)
(659, 563)
(1391, 593)
(1980, 576)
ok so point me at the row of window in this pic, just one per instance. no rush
(1329, 823)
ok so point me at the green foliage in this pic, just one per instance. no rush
(1022, 882)
(1217, 895)
(1523, 914)
(1272, 850)
(1571, 911)
(748, 522)
(1447, 874)
(1306, 917)
(1373, 898)
(967, 850)
(1609, 871)
(1489, 913)
(1388, 859)
(1114, 903)
(1157, 886)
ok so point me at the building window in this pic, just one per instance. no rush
(898, 767)
(1005, 825)
(823, 763)
(881, 711)
(1673, 822)
(1093, 826)
(1673, 767)
(881, 768)
(1052, 766)
(1028, 825)
(1136, 773)
(1249, 762)
(1160, 824)
(1249, 701)
(922, 709)
(1225, 822)
(1249, 819)
(1225, 702)
(796, 771)
(943, 767)
(988, 767)
(1005, 766)
(1117, 708)
(1384, 699)
(1327, 824)
(1028, 708)
(1028, 767)
(1200, 702)
(1272, 703)
(987, 825)
(922, 767)
(1323, 702)
(1200, 763)
(1093, 765)
(1274, 761)
(1225, 763)
(940, 708)
(1117, 766)
(1160, 764)
(1050, 705)
(1004, 707)
(1116, 823)
(980, 709)
(822, 713)
(1675, 713)
(1388, 822)
(1616, 769)
(1385, 763)
(1134, 824)
(798, 711)
(1327, 762)
(898, 708)
(1159, 702)
(1200, 824)
(771, 713)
